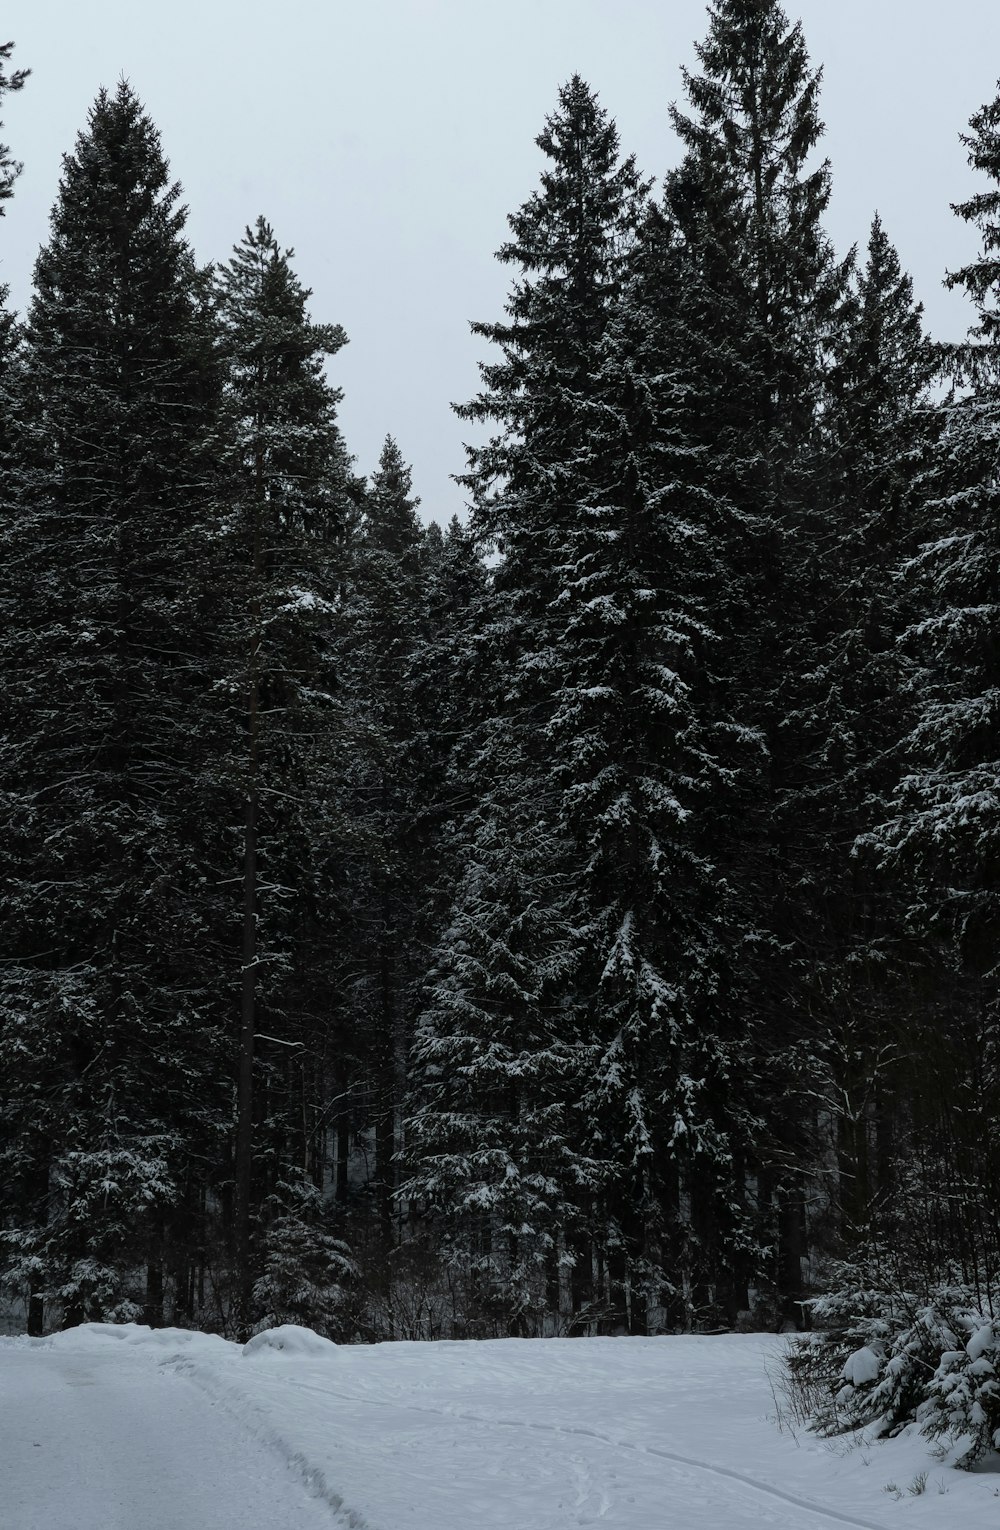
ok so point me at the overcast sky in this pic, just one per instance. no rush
(386, 140)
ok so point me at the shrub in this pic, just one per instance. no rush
(963, 1397)
(886, 1357)
(306, 1272)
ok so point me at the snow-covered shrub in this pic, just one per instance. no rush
(880, 1354)
(98, 1292)
(912, 1357)
(963, 1396)
(834, 1370)
(306, 1272)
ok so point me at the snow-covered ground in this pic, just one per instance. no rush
(110, 1428)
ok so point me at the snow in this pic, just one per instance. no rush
(100, 1436)
(862, 1367)
(115, 1427)
(983, 1339)
(289, 1339)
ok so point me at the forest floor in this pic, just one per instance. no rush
(121, 1428)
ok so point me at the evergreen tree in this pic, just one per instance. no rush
(112, 1003)
(879, 426)
(575, 1054)
(501, 969)
(386, 623)
(10, 169)
(750, 206)
(941, 837)
(649, 765)
(291, 493)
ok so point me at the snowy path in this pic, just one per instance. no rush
(93, 1440)
(598, 1483)
(178, 1431)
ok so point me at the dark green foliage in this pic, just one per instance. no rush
(572, 1058)
(501, 1013)
(290, 502)
(111, 1024)
(590, 913)
(386, 622)
(305, 1272)
(939, 837)
(10, 169)
(764, 307)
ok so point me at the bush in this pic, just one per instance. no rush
(306, 1272)
(963, 1398)
(885, 1358)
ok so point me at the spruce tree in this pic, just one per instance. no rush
(386, 622)
(940, 839)
(878, 431)
(649, 765)
(750, 201)
(491, 1141)
(112, 1006)
(290, 491)
(10, 169)
(577, 1051)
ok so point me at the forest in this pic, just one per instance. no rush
(580, 919)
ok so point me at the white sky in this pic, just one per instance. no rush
(386, 140)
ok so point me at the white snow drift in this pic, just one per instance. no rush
(118, 1428)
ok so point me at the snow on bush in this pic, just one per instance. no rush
(963, 1398)
(886, 1358)
(912, 1358)
(832, 1372)
(862, 1367)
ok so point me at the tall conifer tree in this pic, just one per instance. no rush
(941, 836)
(499, 1048)
(750, 201)
(386, 623)
(573, 1129)
(112, 1004)
(878, 429)
(291, 492)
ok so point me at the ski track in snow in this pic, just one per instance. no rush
(93, 1440)
(253, 1419)
(831, 1516)
(119, 1428)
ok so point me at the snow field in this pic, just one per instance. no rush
(629, 1434)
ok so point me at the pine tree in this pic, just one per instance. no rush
(941, 837)
(291, 493)
(10, 169)
(750, 206)
(576, 1052)
(879, 427)
(386, 623)
(649, 765)
(500, 970)
(112, 1002)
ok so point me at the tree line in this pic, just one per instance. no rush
(580, 920)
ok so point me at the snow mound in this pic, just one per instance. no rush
(137, 1335)
(862, 1367)
(984, 1339)
(289, 1339)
